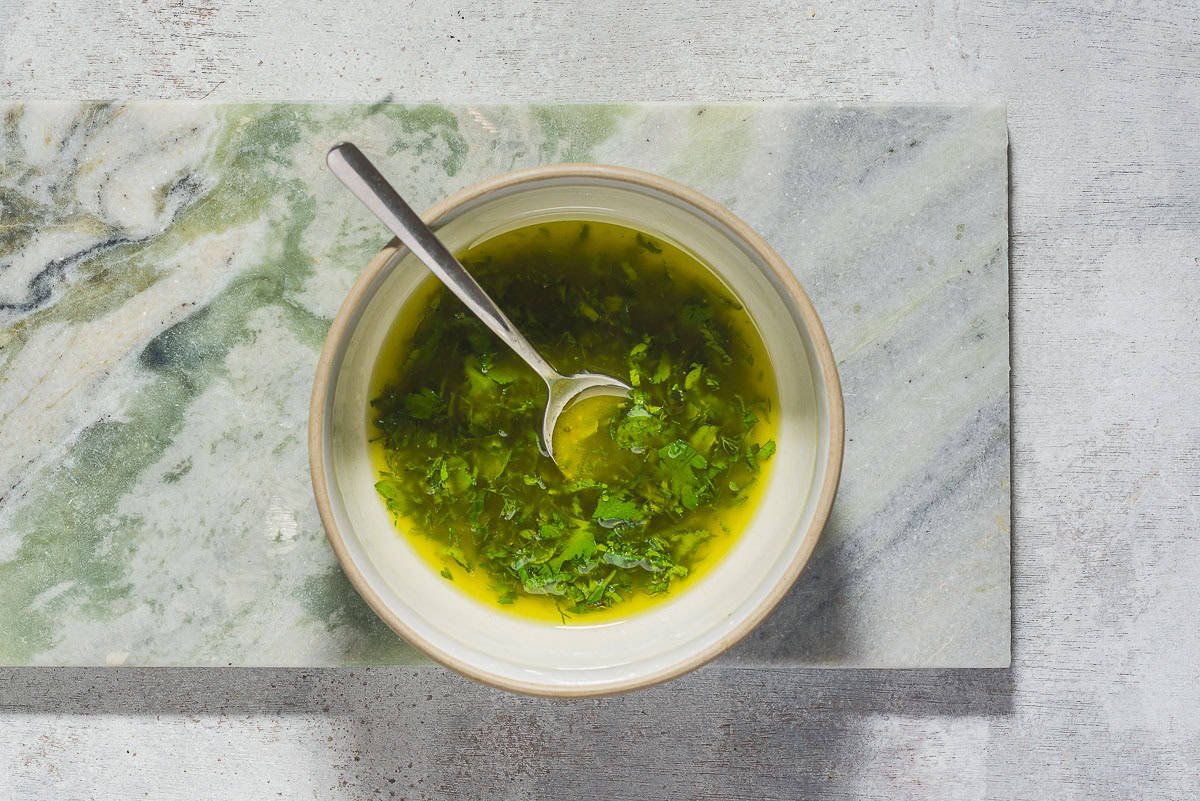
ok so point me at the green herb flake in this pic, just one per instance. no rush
(617, 512)
(423, 405)
(649, 244)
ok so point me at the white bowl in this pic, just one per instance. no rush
(676, 635)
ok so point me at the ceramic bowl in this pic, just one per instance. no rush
(674, 636)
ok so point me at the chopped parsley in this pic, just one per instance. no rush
(645, 482)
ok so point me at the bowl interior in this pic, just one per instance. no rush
(579, 658)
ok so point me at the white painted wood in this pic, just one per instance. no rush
(1104, 109)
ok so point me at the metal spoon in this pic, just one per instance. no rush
(359, 175)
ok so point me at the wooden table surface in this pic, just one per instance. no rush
(1102, 698)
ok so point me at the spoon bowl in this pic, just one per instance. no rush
(566, 391)
(362, 178)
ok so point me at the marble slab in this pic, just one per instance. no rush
(168, 272)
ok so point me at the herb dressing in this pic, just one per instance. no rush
(652, 490)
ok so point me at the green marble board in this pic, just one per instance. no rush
(168, 273)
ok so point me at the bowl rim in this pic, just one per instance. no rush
(342, 327)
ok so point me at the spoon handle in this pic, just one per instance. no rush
(359, 175)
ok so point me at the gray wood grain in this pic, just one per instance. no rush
(1104, 106)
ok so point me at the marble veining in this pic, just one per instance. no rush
(168, 272)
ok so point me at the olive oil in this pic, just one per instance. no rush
(652, 491)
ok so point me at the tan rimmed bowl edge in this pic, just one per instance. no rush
(833, 399)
